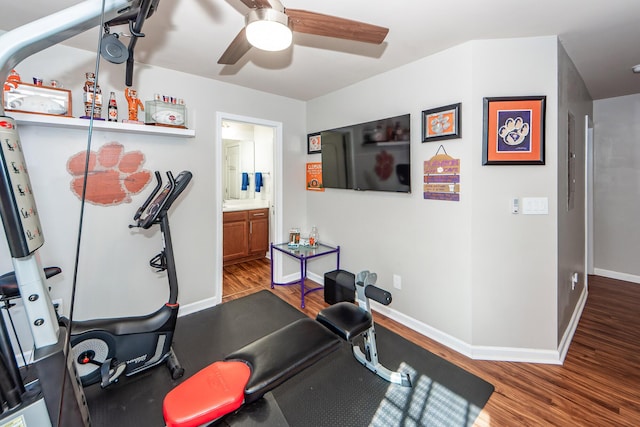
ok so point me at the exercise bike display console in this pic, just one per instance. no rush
(104, 349)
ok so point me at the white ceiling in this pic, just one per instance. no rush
(602, 37)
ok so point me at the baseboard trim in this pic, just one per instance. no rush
(424, 329)
(503, 354)
(573, 325)
(194, 307)
(616, 275)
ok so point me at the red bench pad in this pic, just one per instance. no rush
(211, 393)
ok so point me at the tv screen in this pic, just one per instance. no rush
(368, 156)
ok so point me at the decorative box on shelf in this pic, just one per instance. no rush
(28, 98)
(165, 114)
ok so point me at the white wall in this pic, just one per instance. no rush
(471, 271)
(617, 187)
(114, 276)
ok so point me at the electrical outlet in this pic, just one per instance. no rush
(574, 281)
(397, 281)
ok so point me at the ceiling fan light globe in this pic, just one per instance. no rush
(267, 29)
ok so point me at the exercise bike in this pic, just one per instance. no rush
(104, 349)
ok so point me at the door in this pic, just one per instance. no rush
(232, 172)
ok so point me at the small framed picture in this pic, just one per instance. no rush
(514, 131)
(441, 123)
(314, 143)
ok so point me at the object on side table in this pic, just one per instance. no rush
(314, 237)
(294, 237)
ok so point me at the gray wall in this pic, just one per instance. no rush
(617, 187)
(574, 100)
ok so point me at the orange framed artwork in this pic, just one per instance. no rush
(514, 131)
(314, 176)
(441, 123)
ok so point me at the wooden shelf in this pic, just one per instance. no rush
(102, 125)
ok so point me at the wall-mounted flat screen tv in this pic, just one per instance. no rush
(368, 156)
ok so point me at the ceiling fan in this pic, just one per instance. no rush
(272, 14)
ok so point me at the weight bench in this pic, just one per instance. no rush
(245, 375)
(351, 321)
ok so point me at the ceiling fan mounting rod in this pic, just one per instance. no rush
(270, 4)
(266, 14)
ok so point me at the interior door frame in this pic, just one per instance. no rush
(274, 211)
(588, 136)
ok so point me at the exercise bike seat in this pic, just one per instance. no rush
(9, 283)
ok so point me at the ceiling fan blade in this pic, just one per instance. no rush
(236, 50)
(303, 21)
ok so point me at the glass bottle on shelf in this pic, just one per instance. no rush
(88, 96)
(313, 237)
(112, 113)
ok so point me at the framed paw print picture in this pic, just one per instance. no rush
(441, 123)
(514, 131)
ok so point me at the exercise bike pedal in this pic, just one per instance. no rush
(111, 374)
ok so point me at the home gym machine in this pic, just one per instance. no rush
(53, 397)
(104, 349)
(35, 402)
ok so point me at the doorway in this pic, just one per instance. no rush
(244, 138)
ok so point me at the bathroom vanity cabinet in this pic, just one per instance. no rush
(245, 235)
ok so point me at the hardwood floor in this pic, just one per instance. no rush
(598, 385)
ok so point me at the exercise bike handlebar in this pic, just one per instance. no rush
(149, 199)
(159, 202)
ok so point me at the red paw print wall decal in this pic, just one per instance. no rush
(113, 175)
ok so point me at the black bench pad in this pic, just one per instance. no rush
(9, 282)
(345, 319)
(278, 356)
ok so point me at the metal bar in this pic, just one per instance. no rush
(38, 35)
(272, 283)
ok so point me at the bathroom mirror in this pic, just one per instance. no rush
(247, 150)
(239, 169)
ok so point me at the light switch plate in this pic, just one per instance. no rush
(535, 205)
